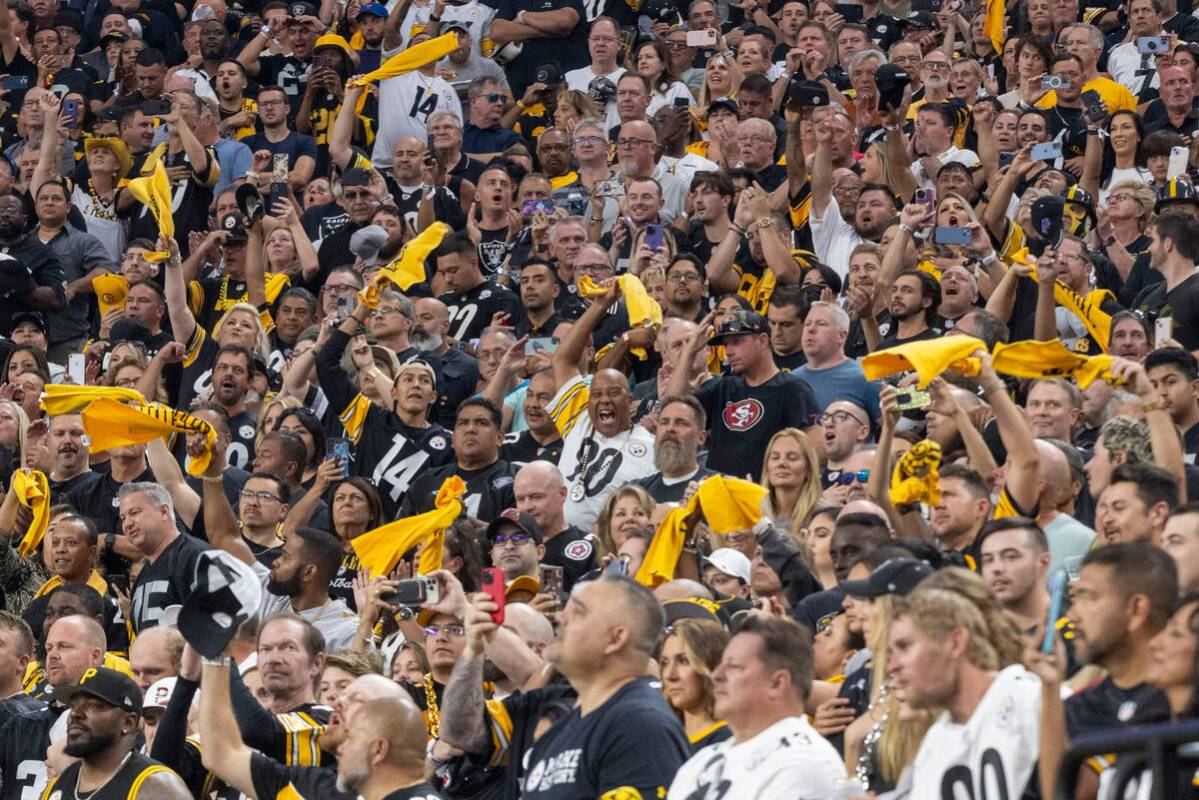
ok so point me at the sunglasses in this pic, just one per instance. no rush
(457, 631)
(515, 538)
(847, 478)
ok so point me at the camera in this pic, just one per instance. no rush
(601, 90)
(1053, 82)
(806, 94)
(1153, 44)
(549, 74)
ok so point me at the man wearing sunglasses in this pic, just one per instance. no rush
(516, 546)
(483, 136)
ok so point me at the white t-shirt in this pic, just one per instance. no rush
(676, 90)
(967, 157)
(609, 462)
(685, 168)
(411, 99)
(582, 77)
(1002, 737)
(833, 237)
(1124, 62)
(787, 760)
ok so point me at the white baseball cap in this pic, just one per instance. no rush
(731, 562)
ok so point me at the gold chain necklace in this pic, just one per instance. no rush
(100, 208)
(434, 714)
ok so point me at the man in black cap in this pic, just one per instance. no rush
(101, 732)
(516, 545)
(746, 407)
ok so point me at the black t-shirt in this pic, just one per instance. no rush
(633, 742)
(672, 492)
(790, 362)
(572, 549)
(166, 582)
(471, 311)
(459, 376)
(521, 448)
(1105, 705)
(892, 339)
(1182, 305)
(24, 740)
(742, 418)
(190, 200)
(488, 490)
(772, 177)
(273, 780)
(569, 52)
(446, 206)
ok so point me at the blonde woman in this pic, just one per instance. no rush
(574, 105)
(791, 473)
(270, 415)
(878, 167)
(722, 78)
(691, 650)
(627, 508)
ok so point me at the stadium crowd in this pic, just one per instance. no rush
(606, 399)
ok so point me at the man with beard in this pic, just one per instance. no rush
(421, 190)
(74, 646)
(1174, 251)
(711, 195)
(230, 384)
(964, 508)
(392, 323)
(478, 435)
(105, 709)
(682, 429)
(390, 446)
(372, 19)
(686, 288)
(277, 137)
(539, 289)
(459, 370)
(833, 237)
(384, 754)
(32, 274)
(541, 494)
(541, 440)
(516, 545)
(915, 296)
(289, 72)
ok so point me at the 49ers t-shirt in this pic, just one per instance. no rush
(742, 418)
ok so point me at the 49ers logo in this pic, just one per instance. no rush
(743, 415)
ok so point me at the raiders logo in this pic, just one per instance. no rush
(578, 551)
(743, 415)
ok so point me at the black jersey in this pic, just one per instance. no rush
(166, 582)
(97, 500)
(19, 703)
(24, 740)
(195, 379)
(1106, 705)
(521, 448)
(488, 490)
(274, 781)
(243, 433)
(573, 550)
(471, 311)
(290, 737)
(447, 207)
(594, 755)
(742, 418)
(126, 784)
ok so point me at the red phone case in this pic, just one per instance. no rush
(493, 584)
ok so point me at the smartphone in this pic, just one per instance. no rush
(682, 102)
(338, 447)
(1057, 591)
(413, 592)
(618, 567)
(1177, 165)
(1046, 151)
(531, 207)
(75, 368)
(1163, 328)
(947, 235)
(704, 38)
(547, 343)
(927, 196)
(654, 236)
(912, 399)
(119, 582)
(494, 585)
(345, 305)
(70, 109)
(553, 581)
(852, 12)
(15, 82)
(1095, 107)
(1006, 158)
(1053, 82)
(1148, 45)
(609, 189)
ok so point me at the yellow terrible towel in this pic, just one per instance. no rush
(62, 398)
(1034, 359)
(409, 60)
(33, 492)
(381, 549)
(154, 190)
(915, 479)
(111, 424)
(643, 310)
(929, 358)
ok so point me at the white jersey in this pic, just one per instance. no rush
(579, 79)
(996, 748)
(410, 100)
(595, 465)
(787, 760)
(474, 16)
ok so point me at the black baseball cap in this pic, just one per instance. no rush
(893, 576)
(130, 330)
(102, 683)
(740, 322)
(29, 316)
(226, 594)
(727, 103)
(510, 516)
(891, 79)
(69, 18)
(304, 9)
(919, 19)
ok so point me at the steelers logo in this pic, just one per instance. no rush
(622, 793)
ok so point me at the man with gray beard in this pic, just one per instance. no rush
(682, 428)
(459, 371)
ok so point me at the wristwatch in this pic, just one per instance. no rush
(764, 222)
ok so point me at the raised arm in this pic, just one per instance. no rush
(822, 168)
(566, 358)
(220, 523)
(1163, 434)
(48, 155)
(901, 180)
(797, 168)
(1024, 466)
(168, 473)
(1045, 317)
(721, 275)
(680, 379)
(463, 714)
(249, 55)
(183, 322)
(223, 752)
(343, 128)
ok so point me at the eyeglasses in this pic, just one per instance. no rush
(457, 631)
(632, 142)
(838, 417)
(340, 288)
(381, 310)
(676, 44)
(592, 268)
(270, 103)
(683, 277)
(1120, 198)
(847, 478)
(494, 97)
(607, 39)
(753, 140)
(935, 66)
(261, 497)
(360, 195)
(589, 139)
(515, 538)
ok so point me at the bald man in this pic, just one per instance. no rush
(533, 629)
(385, 752)
(155, 655)
(541, 493)
(1067, 536)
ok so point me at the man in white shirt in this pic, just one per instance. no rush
(934, 141)
(761, 683)
(1127, 65)
(411, 98)
(942, 658)
(604, 45)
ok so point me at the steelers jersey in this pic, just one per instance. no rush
(126, 784)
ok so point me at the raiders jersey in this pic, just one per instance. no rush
(126, 784)
(166, 582)
(24, 740)
(788, 759)
(998, 745)
(593, 464)
(471, 311)
(488, 490)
